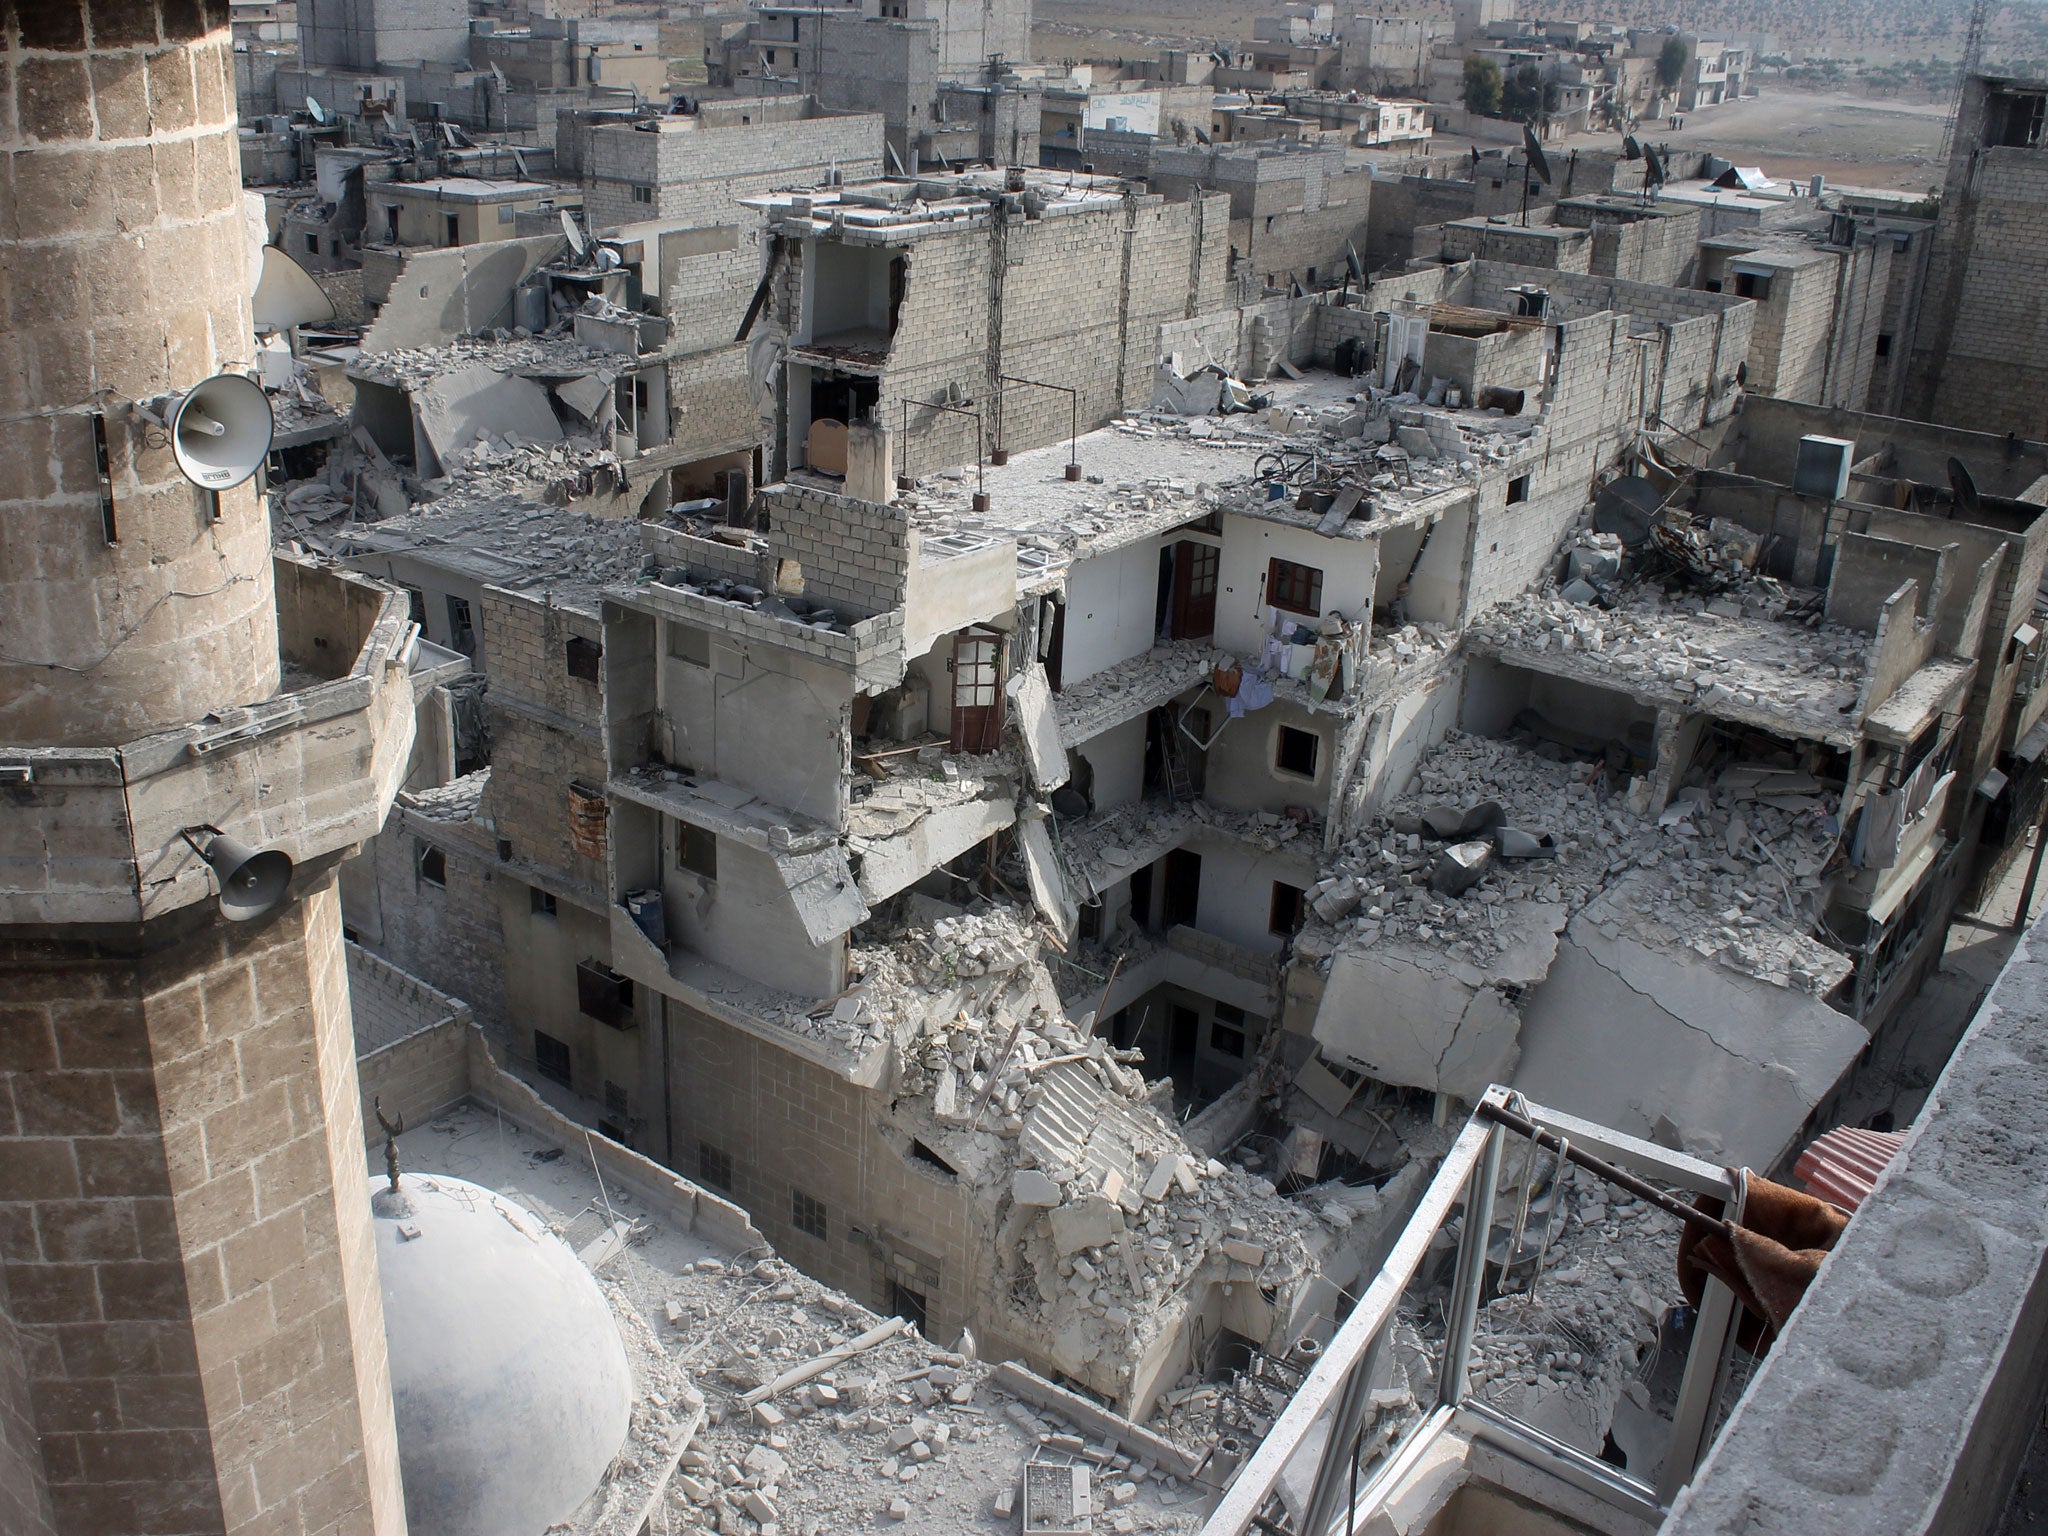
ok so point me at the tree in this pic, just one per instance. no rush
(1671, 61)
(1522, 97)
(1482, 86)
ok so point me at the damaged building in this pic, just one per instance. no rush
(839, 832)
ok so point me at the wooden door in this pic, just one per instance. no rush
(977, 691)
(1195, 569)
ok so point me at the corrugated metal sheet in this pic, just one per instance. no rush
(1843, 1165)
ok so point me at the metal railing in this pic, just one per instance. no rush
(1344, 1494)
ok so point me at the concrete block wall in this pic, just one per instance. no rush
(1509, 242)
(1663, 250)
(1592, 407)
(707, 279)
(545, 729)
(788, 1125)
(855, 553)
(1980, 355)
(696, 173)
(711, 404)
(1072, 299)
(449, 935)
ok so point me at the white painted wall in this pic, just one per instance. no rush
(1237, 889)
(1349, 568)
(1111, 601)
(1118, 757)
(1241, 775)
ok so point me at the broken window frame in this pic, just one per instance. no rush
(1282, 738)
(1286, 913)
(431, 865)
(584, 659)
(696, 849)
(541, 903)
(1294, 588)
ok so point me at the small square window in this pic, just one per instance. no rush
(585, 658)
(686, 642)
(643, 194)
(1296, 751)
(1518, 489)
(543, 901)
(433, 864)
(312, 245)
(1285, 913)
(697, 850)
(1296, 588)
(1884, 346)
(1226, 1039)
(1753, 285)
(551, 1058)
(714, 1167)
(807, 1215)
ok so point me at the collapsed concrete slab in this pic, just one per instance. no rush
(1676, 1047)
(1420, 1018)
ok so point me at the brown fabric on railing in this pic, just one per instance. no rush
(1768, 1261)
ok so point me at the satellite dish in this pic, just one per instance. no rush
(1631, 148)
(1538, 161)
(1964, 485)
(286, 294)
(576, 241)
(316, 111)
(1653, 167)
(220, 429)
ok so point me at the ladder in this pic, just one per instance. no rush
(1180, 784)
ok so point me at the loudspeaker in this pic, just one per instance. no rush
(220, 430)
(252, 882)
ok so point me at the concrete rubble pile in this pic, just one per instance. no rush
(1722, 870)
(501, 351)
(899, 1435)
(1712, 651)
(1104, 1219)
(1568, 1345)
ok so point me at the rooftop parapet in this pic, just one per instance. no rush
(310, 771)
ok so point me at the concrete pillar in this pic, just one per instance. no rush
(870, 463)
(191, 1340)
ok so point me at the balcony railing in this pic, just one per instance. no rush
(1345, 1494)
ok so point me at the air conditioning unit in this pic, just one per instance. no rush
(1823, 467)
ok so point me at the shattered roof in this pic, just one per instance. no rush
(1734, 873)
(1727, 656)
(572, 556)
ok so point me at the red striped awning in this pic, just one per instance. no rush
(1843, 1165)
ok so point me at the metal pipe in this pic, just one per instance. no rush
(1470, 1277)
(1346, 1423)
(1073, 420)
(1643, 1188)
(980, 443)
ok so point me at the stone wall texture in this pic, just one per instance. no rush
(121, 211)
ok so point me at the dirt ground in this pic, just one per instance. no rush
(1795, 135)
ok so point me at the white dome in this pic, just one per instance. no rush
(510, 1380)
